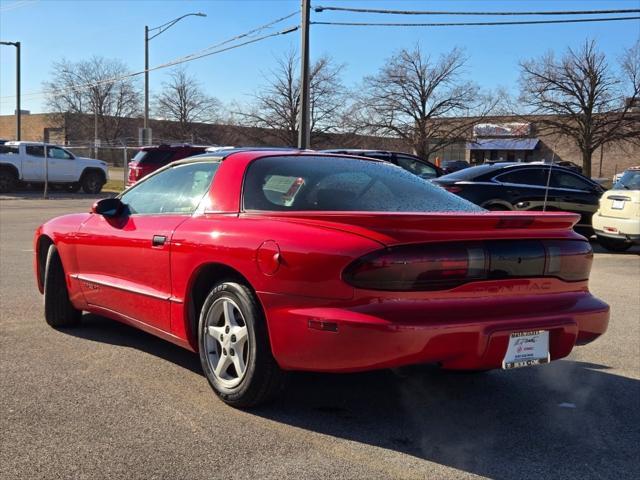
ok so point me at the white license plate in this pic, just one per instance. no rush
(526, 349)
(618, 205)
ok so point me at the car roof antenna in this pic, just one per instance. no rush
(546, 188)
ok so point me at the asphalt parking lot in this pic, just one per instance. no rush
(108, 401)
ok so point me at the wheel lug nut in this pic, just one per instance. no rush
(224, 351)
(226, 330)
(233, 338)
(232, 352)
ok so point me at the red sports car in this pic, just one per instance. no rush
(271, 261)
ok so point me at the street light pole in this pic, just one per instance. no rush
(304, 134)
(18, 113)
(159, 29)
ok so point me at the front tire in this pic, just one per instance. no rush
(8, 181)
(234, 347)
(614, 245)
(92, 182)
(58, 310)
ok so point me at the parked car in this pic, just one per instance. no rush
(24, 162)
(151, 158)
(411, 163)
(617, 221)
(523, 187)
(450, 166)
(268, 262)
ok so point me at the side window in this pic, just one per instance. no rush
(417, 167)
(568, 180)
(8, 150)
(525, 176)
(177, 190)
(57, 152)
(35, 150)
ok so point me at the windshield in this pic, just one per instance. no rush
(630, 180)
(342, 184)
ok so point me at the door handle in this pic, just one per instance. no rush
(158, 240)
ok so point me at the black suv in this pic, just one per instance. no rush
(521, 186)
(411, 163)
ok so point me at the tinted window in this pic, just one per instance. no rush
(154, 156)
(525, 176)
(176, 190)
(341, 184)
(35, 150)
(417, 167)
(8, 150)
(469, 173)
(567, 180)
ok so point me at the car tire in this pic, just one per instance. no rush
(92, 182)
(8, 181)
(496, 207)
(614, 245)
(58, 310)
(234, 347)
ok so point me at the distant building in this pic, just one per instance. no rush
(490, 139)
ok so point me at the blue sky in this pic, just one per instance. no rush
(50, 30)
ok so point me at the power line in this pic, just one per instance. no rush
(187, 58)
(432, 12)
(476, 24)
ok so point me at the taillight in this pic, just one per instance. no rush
(570, 261)
(452, 188)
(439, 267)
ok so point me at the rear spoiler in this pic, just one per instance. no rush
(454, 221)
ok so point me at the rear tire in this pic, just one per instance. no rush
(8, 181)
(58, 310)
(614, 245)
(234, 347)
(92, 182)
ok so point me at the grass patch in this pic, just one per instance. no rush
(113, 186)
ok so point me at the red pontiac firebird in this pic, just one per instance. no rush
(271, 261)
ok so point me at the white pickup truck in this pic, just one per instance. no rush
(24, 162)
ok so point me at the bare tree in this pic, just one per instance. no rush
(584, 98)
(98, 86)
(416, 98)
(276, 106)
(182, 100)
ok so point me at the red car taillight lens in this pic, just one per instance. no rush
(452, 188)
(438, 267)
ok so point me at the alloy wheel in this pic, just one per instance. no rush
(226, 340)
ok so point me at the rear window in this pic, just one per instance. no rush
(342, 184)
(154, 156)
(8, 150)
(469, 173)
(630, 180)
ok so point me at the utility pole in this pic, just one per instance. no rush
(18, 112)
(156, 31)
(304, 133)
(146, 78)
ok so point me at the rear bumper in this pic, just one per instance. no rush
(618, 228)
(472, 338)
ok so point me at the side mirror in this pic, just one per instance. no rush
(108, 207)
